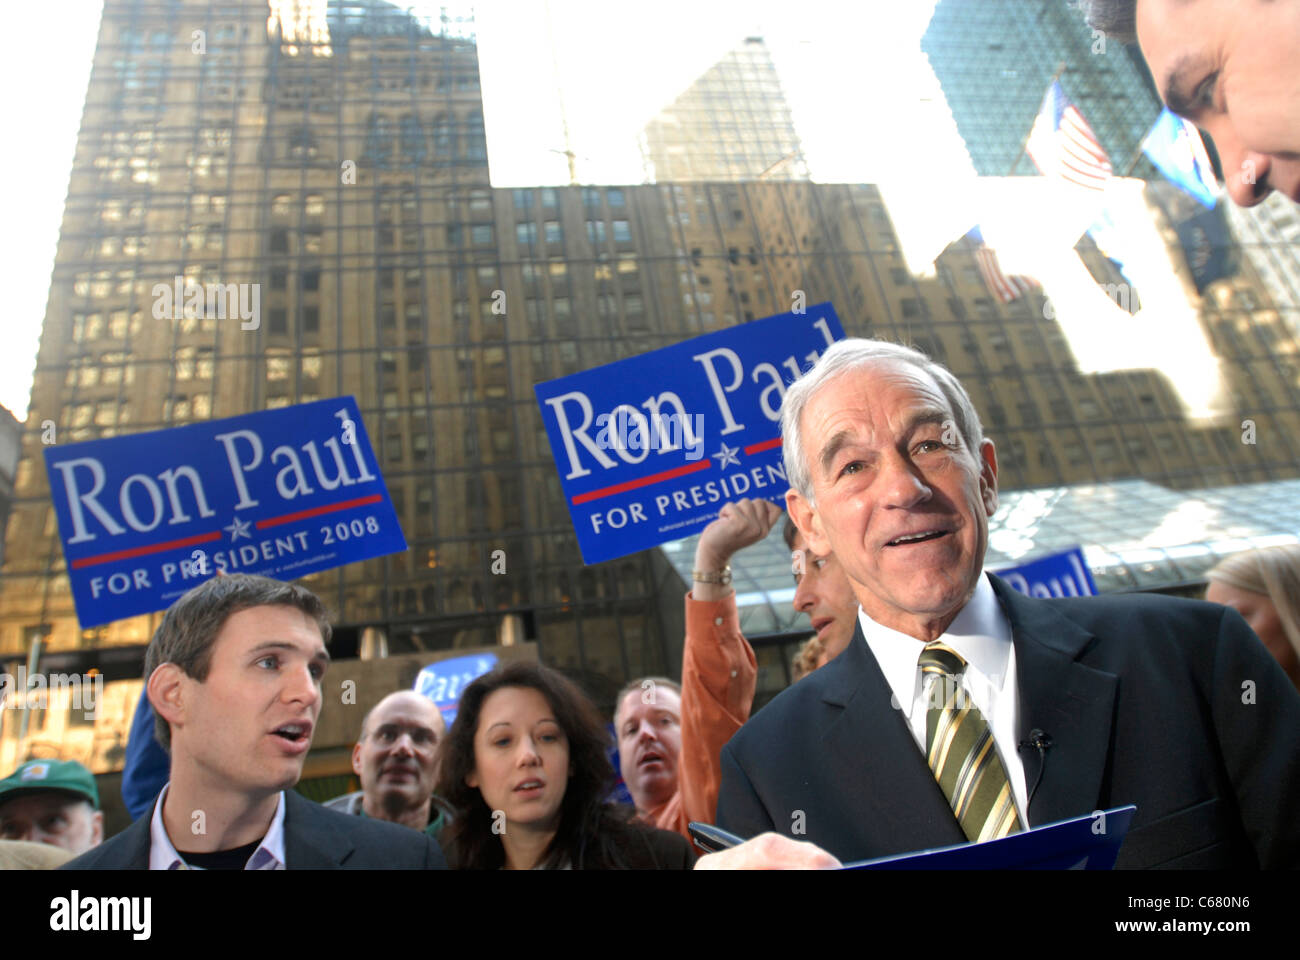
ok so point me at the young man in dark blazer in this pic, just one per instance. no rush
(234, 675)
(1078, 704)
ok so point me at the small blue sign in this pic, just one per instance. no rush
(619, 792)
(282, 493)
(650, 448)
(1064, 574)
(443, 682)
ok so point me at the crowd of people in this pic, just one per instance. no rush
(935, 705)
(893, 483)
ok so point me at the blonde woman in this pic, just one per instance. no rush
(1264, 587)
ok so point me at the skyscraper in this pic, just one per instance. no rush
(730, 124)
(995, 60)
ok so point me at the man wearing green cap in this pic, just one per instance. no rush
(54, 802)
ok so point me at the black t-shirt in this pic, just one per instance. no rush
(235, 859)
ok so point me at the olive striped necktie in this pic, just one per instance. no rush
(960, 750)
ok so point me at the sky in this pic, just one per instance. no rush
(865, 103)
(44, 72)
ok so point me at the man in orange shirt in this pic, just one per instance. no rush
(670, 737)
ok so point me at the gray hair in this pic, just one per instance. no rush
(1117, 19)
(190, 626)
(852, 354)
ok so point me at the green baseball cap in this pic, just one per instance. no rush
(42, 776)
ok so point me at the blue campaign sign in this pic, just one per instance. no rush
(443, 682)
(650, 448)
(619, 793)
(1064, 574)
(281, 493)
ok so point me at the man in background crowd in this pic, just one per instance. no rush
(670, 737)
(823, 592)
(54, 802)
(396, 757)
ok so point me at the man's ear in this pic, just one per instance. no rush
(97, 827)
(988, 464)
(808, 520)
(471, 779)
(356, 758)
(165, 690)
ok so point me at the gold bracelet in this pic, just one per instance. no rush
(721, 577)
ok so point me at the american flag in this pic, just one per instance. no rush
(1063, 145)
(1005, 288)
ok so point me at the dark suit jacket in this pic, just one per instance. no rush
(1173, 705)
(649, 848)
(314, 839)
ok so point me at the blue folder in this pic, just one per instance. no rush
(1089, 842)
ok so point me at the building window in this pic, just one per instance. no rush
(444, 138)
(412, 139)
(475, 141)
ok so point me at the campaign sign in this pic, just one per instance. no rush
(649, 448)
(281, 493)
(444, 681)
(619, 793)
(1064, 574)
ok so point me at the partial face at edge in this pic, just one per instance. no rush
(1261, 614)
(825, 594)
(56, 818)
(1229, 66)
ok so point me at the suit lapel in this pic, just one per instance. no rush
(897, 803)
(308, 842)
(1070, 702)
(137, 842)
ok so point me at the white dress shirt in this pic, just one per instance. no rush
(982, 635)
(269, 854)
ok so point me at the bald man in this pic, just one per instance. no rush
(396, 758)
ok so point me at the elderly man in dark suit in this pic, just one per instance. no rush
(964, 711)
(234, 675)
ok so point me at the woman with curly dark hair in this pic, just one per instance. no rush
(526, 768)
